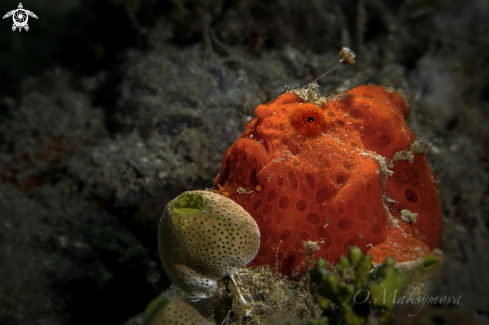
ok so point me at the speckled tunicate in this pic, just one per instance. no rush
(203, 237)
(421, 273)
(176, 312)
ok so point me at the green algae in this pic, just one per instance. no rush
(365, 296)
(430, 262)
(189, 203)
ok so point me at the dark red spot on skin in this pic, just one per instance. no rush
(313, 218)
(256, 204)
(324, 161)
(323, 195)
(356, 113)
(310, 180)
(303, 237)
(345, 223)
(411, 195)
(280, 217)
(280, 181)
(285, 234)
(341, 180)
(292, 181)
(382, 141)
(347, 101)
(369, 130)
(362, 212)
(301, 206)
(284, 202)
(349, 243)
(347, 164)
(271, 195)
(325, 236)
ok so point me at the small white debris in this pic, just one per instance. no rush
(311, 246)
(420, 146)
(347, 56)
(408, 216)
(404, 155)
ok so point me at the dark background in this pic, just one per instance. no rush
(111, 108)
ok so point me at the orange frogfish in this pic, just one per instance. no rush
(321, 174)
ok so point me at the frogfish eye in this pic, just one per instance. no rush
(308, 120)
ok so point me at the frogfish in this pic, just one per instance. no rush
(320, 174)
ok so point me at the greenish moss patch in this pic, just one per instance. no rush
(429, 263)
(363, 296)
(189, 203)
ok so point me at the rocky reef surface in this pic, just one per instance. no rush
(110, 109)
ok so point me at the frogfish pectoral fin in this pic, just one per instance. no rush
(241, 163)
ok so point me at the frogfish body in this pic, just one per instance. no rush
(321, 174)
